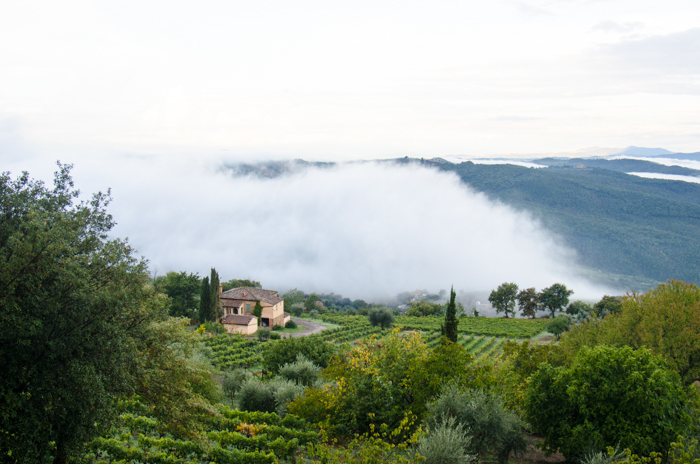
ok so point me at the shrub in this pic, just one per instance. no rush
(232, 381)
(559, 325)
(277, 327)
(214, 327)
(255, 395)
(284, 392)
(297, 309)
(290, 325)
(490, 425)
(302, 371)
(285, 351)
(446, 444)
(381, 316)
(313, 314)
(275, 336)
(263, 334)
(608, 396)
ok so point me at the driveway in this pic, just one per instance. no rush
(310, 328)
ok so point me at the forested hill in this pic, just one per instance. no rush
(622, 165)
(618, 223)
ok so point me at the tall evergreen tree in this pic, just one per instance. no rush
(205, 301)
(216, 313)
(449, 328)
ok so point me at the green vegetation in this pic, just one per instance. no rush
(500, 327)
(503, 298)
(381, 316)
(449, 329)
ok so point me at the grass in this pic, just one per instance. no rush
(318, 321)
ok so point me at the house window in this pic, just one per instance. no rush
(247, 308)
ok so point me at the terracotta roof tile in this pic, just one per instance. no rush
(252, 294)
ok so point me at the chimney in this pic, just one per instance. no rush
(221, 289)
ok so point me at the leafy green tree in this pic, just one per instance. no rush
(381, 316)
(257, 312)
(232, 381)
(302, 371)
(529, 301)
(292, 297)
(205, 301)
(578, 308)
(608, 397)
(237, 283)
(666, 320)
(449, 329)
(503, 298)
(72, 304)
(297, 309)
(554, 298)
(310, 302)
(425, 308)
(285, 351)
(182, 288)
(559, 325)
(607, 305)
(216, 309)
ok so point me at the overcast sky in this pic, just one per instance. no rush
(348, 80)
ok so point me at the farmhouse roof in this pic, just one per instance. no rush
(237, 319)
(231, 303)
(252, 294)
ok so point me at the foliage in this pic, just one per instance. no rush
(313, 314)
(73, 303)
(554, 298)
(297, 309)
(607, 305)
(277, 327)
(263, 333)
(490, 426)
(578, 308)
(529, 301)
(285, 351)
(232, 381)
(275, 336)
(425, 308)
(449, 330)
(255, 395)
(310, 302)
(447, 443)
(237, 283)
(216, 311)
(302, 371)
(381, 316)
(608, 396)
(214, 327)
(559, 325)
(204, 314)
(666, 320)
(292, 297)
(290, 325)
(182, 288)
(232, 351)
(503, 298)
(500, 327)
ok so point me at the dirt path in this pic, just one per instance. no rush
(311, 328)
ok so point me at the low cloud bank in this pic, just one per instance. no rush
(362, 230)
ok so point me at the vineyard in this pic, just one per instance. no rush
(234, 437)
(494, 326)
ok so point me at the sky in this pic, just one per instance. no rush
(151, 98)
(348, 80)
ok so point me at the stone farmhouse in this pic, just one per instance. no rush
(238, 306)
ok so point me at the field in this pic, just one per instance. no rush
(482, 336)
(494, 326)
(234, 437)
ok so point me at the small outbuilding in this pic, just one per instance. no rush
(240, 324)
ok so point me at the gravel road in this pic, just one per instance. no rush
(311, 328)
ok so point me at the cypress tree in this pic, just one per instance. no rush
(205, 301)
(215, 313)
(449, 329)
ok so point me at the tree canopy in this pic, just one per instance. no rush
(72, 303)
(554, 298)
(503, 298)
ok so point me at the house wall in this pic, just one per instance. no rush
(249, 329)
(274, 313)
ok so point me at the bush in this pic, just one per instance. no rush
(275, 336)
(214, 327)
(559, 325)
(446, 444)
(608, 396)
(255, 395)
(490, 425)
(313, 314)
(277, 327)
(302, 371)
(232, 381)
(263, 333)
(382, 317)
(297, 309)
(284, 392)
(286, 351)
(290, 325)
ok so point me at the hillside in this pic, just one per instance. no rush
(618, 223)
